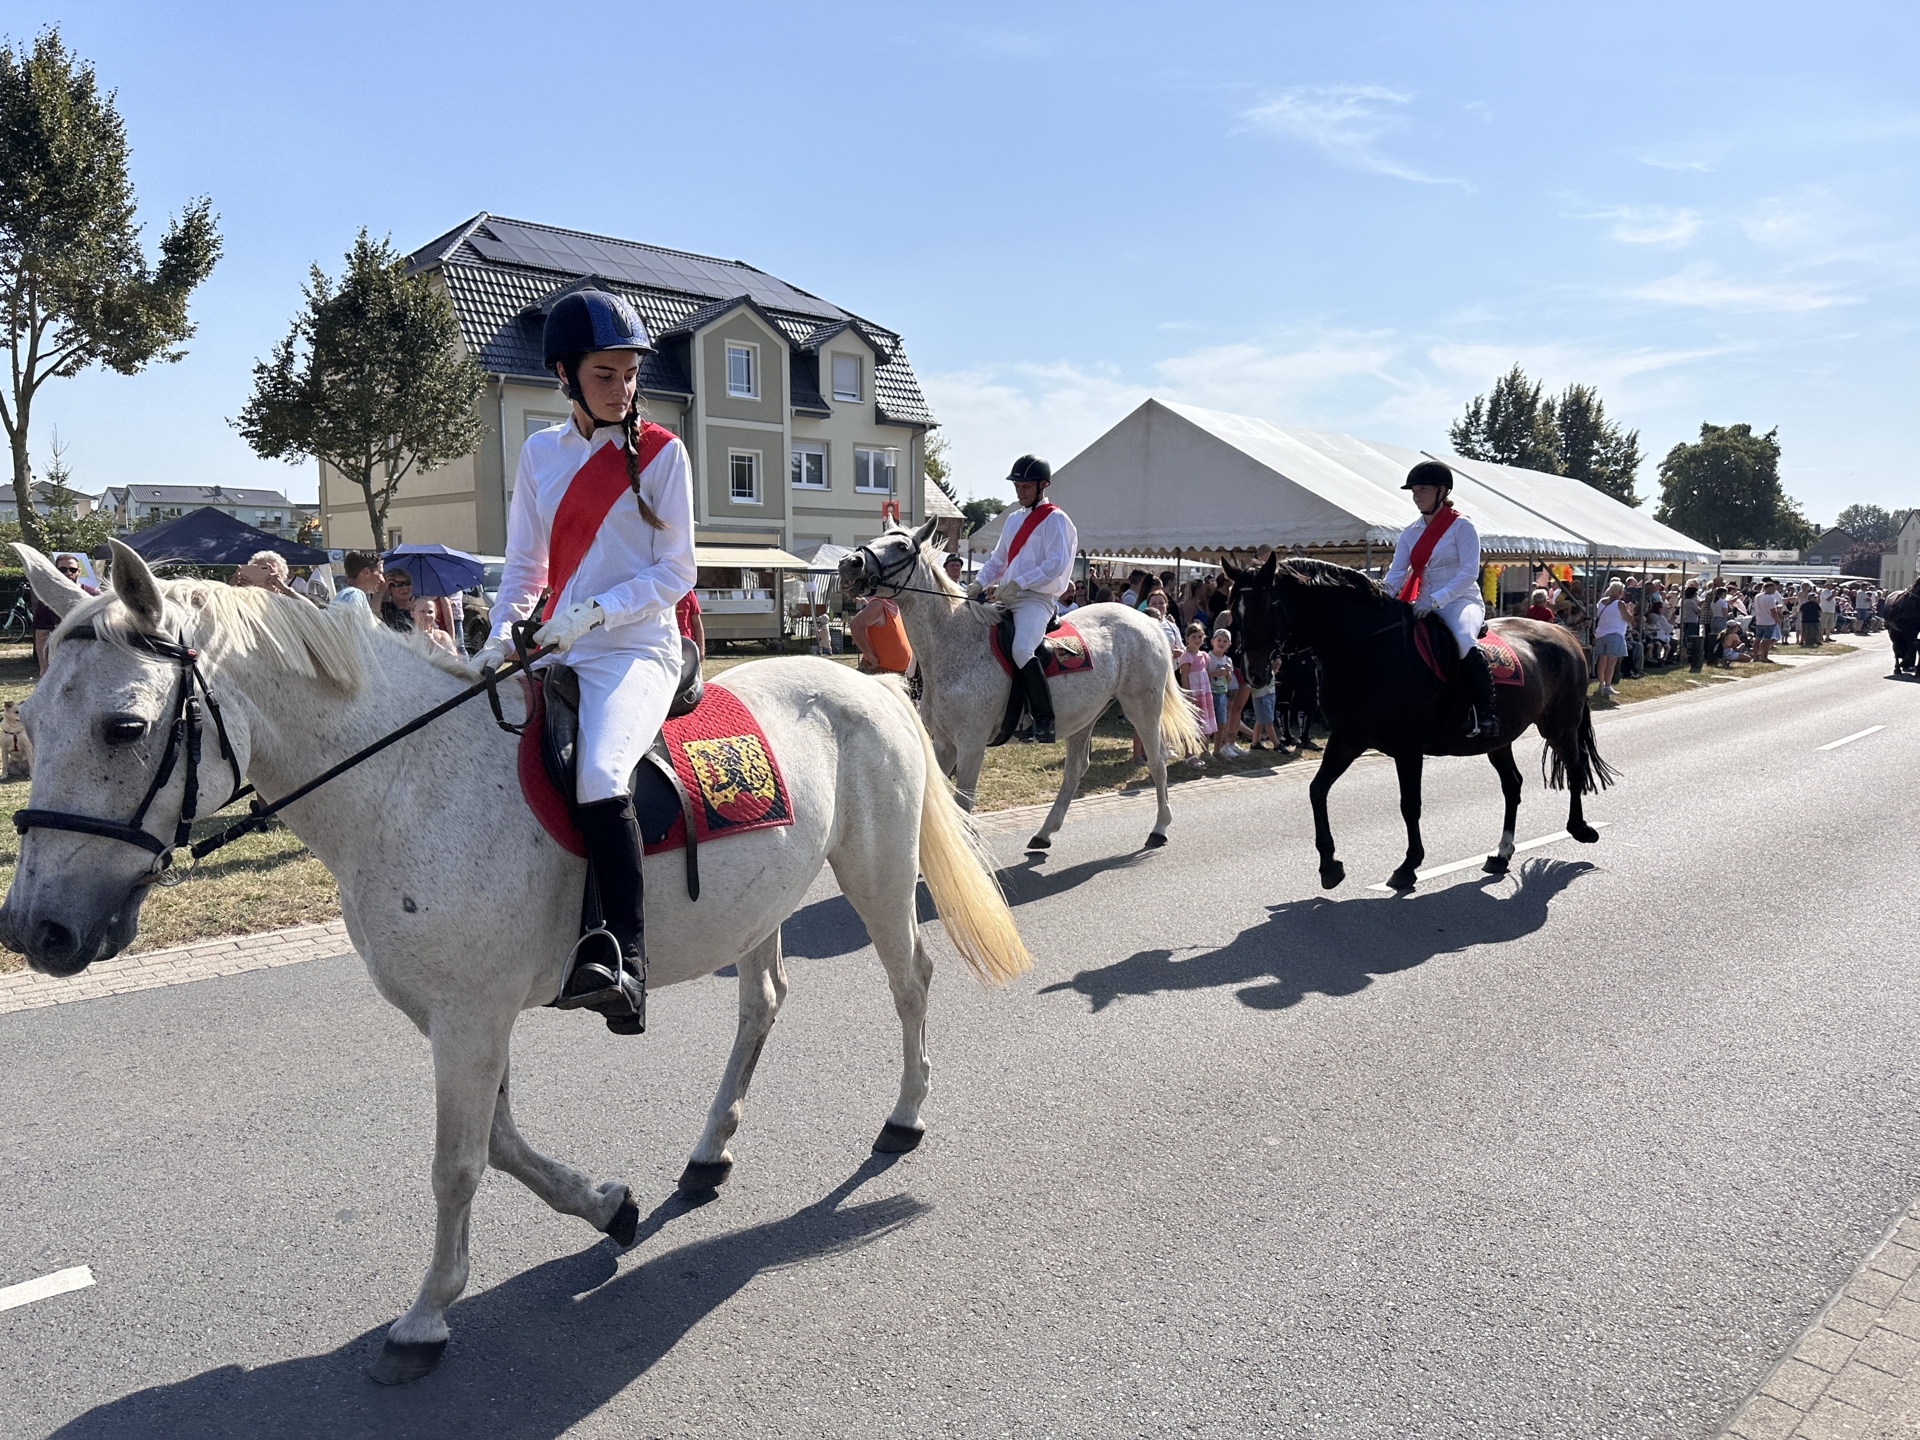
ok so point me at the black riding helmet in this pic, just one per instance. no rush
(1030, 467)
(1429, 472)
(583, 322)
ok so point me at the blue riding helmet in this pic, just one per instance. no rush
(589, 320)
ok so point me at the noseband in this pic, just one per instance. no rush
(877, 574)
(183, 734)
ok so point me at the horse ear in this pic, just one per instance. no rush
(925, 532)
(1232, 571)
(134, 585)
(1273, 564)
(50, 587)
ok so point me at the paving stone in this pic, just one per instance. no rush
(1831, 1420)
(1828, 1349)
(1871, 1287)
(1862, 1386)
(1890, 1351)
(1797, 1383)
(1850, 1317)
(1765, 1418)
(1896, 1259)
(1903, 1316)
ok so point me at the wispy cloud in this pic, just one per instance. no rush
(1703, 287)
(1648, 224)
(1346, 122)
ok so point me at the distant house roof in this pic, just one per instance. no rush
(937, 503)
(503, 275)
(203, 495)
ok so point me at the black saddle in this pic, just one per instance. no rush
(1016, 692)
(658, 796)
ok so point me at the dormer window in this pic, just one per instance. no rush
(742, 372)
(846, 377)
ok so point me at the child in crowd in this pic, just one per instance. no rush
(1193, 663)
(1221, 677)
(1263, 717)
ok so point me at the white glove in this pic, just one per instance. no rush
(493, 654)
(569, 625)
(1423, 606)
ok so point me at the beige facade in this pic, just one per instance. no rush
(758, 463)
(1898, 565)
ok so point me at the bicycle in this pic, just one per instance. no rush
(18, 624)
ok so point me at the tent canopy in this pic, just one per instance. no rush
(207, 536)
(1176, 479)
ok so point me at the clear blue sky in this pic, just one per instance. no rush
(1352, 217)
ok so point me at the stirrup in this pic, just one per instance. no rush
(617, 987)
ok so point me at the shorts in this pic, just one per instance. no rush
(1766, 632)
(1219, 707)
(1615, 645)
(1263, 708)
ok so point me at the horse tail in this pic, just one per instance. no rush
(1179, 724)
(959, 872)
(1576, 761)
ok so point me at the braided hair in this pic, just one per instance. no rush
(629, 432)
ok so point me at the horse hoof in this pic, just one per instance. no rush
(1585, 834)
(1402, 879)
(1039, 842)
(1496, 865)
(403, 1361)
(897, 1139)
(1156, 840)
(704, 1175)
(625, 1222)
(1332, 874)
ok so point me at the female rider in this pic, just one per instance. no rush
(1436, 567)
(602, 518)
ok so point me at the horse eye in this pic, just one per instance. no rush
(123, 729)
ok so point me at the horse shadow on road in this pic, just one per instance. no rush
(1336, 947)
(830, 928)
(530, 1358)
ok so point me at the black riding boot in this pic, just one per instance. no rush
(1483, 719)
(614, 850)
(1039, 700)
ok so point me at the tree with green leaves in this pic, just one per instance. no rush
(976, 513)
(1724, 490)
(371, 380)
(1513, 425)
(76, 288)
(1870, 525)
(1593, 449)
(938, 468)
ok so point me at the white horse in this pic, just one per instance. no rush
(463, 938)
(965, 690)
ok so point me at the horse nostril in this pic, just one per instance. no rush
(55, 941)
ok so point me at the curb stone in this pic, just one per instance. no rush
(230, 955)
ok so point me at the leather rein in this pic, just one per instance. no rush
(185, 734)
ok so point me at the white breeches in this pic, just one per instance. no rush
(624, 696)
(1464, 618)
(1031, 615)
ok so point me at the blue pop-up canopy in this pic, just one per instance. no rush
(212, 537)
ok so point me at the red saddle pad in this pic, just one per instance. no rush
(1064, 652)
(1501, 659)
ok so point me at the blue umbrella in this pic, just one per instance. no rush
(436, 569)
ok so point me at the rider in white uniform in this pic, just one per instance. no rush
(1030, 582)
(613, 617)
(1449, 583)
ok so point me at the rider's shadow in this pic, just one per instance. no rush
(530, 1358)
(1336, 947)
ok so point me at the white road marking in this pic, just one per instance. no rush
(58, 1283)
(1849, 739)
(1469, 863)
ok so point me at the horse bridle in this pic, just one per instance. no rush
(183, 733)
(878, 574)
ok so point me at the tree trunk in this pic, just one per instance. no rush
(23, 482)
(376, 512)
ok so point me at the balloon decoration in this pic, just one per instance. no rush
(1490, 584)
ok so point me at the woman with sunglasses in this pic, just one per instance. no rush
(602, 522)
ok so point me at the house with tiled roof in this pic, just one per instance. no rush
(268, 510)
(800, 418)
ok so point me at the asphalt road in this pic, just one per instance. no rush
(1576, 1153)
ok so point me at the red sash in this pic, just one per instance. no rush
(1029, 525)
(591, 493)
(1437, 525)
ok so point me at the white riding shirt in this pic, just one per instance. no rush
(1044, 565)
(1450, 585)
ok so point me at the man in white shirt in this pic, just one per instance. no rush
(1829, 608)
(1028, 570)
(1767, 606)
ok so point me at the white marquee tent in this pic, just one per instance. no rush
(1178, 480)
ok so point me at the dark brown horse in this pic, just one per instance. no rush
(1901, 612)
(1379, 694)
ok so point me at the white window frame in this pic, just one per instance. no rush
(810, 447)
(753, 459)
(751, 352)
(833, 377)
(886, 456)
(532, 420)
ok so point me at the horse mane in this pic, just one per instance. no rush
(1325, 575)
(249, 631)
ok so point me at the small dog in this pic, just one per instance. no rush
(16, 750)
